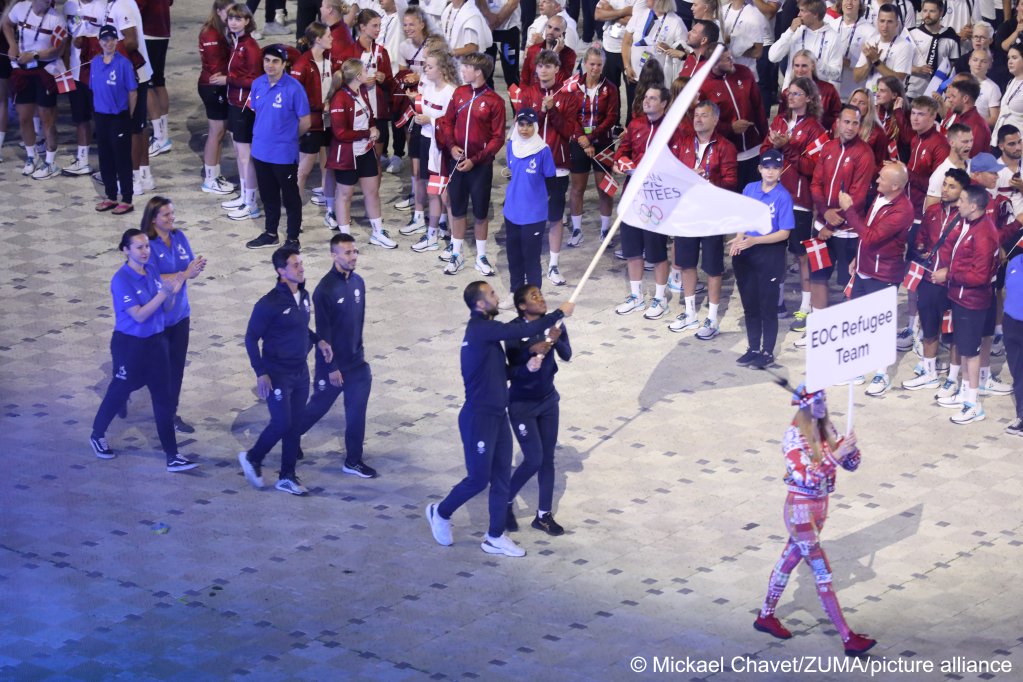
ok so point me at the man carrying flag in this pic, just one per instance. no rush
(881, 255)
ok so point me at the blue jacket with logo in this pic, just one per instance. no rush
(340, 310)
(525, 201)
(283, 325)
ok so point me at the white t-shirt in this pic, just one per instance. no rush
(898, 55)
(959, 13)
(124, 14)
(1012, 107)
(1013, 195)
(744, 28)
(905, 7)
(412, 56)
(613, 31)
(514, 19)
(938, 177)
(947, 51)
(34, 33)
(990, 96)
(572, 38)
(668, 29)
(391, 37)
(822, 43)
(850, 40)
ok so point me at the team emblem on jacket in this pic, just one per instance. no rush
(481, 448)
(357, 295)
(523, 431)
(278, 396)
(321, 385)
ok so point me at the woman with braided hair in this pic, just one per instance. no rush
(813, 452)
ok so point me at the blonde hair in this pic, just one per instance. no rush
(349, 71)
(445, 62)
(868, 120)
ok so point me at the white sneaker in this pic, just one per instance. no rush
(380, 238)
(318, 199)
(922, 381)
(413, 227)
(969, 414)
(406, 204)
(948, 389)
(157, 147)
(800, 342)
(244, 213)
(232, 204)
(656, 309)
(997, 346)
(137, 189)
(879, 385)
(330, 220)
(446, 254)
(425, 243)
(281, 17)
(78, 167)
(253, 474)
(709, 330)
(554, 275)
(484, 266)
(619, 255)
(904, 339)
(954, 401)
(46, 171)
(684, 322)
(272, 28)
(855, 381)
(148, 184)
(439, 526)
(576, 239)
(217, 186)
(502, 545)
(395, 166)
(454, 265)
(631, 304)
(675, 283)
(995, 387)
(30, 166)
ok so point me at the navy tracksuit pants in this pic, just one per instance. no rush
(286, 403)
(535, 425)
(524, 246)
(356, 387)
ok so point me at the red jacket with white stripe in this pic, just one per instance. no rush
(849, 166)
(474, 121)
(718, 163)
(243, 66)
(528, 76)
(973, 263)
(738, 98)
(881, 253)
(342, 127)
(600, 113)
(938, 219)
(214, 52)
(307, 72)
(800, 160)
(558, 126)
(342, 45)
(926, 153)
(638, 135)
(381, 61)
(975, 122)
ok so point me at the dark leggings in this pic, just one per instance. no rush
(177, 343)
(139, 362)
(536, 429)
(524, 246)
(278, 184)
(270, 10)
(759, 272)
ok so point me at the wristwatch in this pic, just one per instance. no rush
(875, 63)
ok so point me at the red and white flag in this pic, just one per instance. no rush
(437, 185)
(893, 150)
(59, 36)
(946, 322)
(817, 253)
(571, 85)
(624, 165)
(848, 287)
(515, 95)
(815, 147)
(606, 157)
(405, 118)
(417, 103)
(65, 82)
(608, 185)
(913, 276)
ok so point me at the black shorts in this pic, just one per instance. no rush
(422, 152)
(637, 243)
(556, 194)
(865, 286)
(931, 304)
(580, 163)
(34, 86)
(5, 66)
(240, 121)
(969, 327)
(366, 166)
(141, 113)
(800, 232)
(475, 184)
(313, 141)
(214, 98)
(81, 103)
(156, 48)
(842, 251)
(911, 254)
(688, 249)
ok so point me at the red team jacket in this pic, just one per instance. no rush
(382, 62)
(214, 51)
(938, 219)
(926, 153)
(342, 122)
(307, 72)
(474, 121)
(600, 113)
(973, 263)
(799, 159)
(737, 97)
(842, 165)
(881, 254)
(975, 122)
(638, 135)
(244, 65)
(718, 164)
(560, 125)
(528, 76)
(342, 45)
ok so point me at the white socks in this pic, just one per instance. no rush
(691, 306)
(953, 373)
(250, 197)
(481, 248)
(554, 259)
(456, 246)
(659, 291)
(931, 367)
(377, 224)
(636, 288)
(713, 311)
(804, 304)
(577, 222)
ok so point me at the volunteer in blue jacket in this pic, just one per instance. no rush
(533, 404)
(114, 95)
(139, 347)
(483, 420)
(525, 205)
(339, 304)
(281, 321)
(282, 116)
(1012, 323)
(172, 254)
(759, 263)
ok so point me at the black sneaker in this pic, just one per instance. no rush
(763, 361)
(359, 469)
(511, 524)
(294, 243)
(181, 426)
(101, 447)
(748, 358)
(263, 241)
(180, 463)
(1015, 428)
(547, 524)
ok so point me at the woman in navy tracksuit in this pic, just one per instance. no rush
(172, 254)
(139, 347)
(533, 405)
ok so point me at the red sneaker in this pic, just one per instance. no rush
(857, 645)
(771, 626)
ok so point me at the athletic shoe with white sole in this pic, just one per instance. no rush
(447, 253)
(455, 265)
(291, 484)
(554, 275)
(971, 412)
(253, 472)
(46, 171)
(997, 346)
(157, 147)
(148, 184)
(425, 243)
(180, 463)
(800, 342)
(675, 283)
(954, 401)
(484, 266)
(439, 526)
(359, 469)
(879, 385)
(406, 204)
(330, 220)
(948, 389)
(995, 387)
(709, 330)
(1015, 427)
(318, 199)
(576, 239)
(381, 238)
(245, 213)
(922, 381)
(631, 304)
(31, 165)
(272, 28)
(101, 448)
(502, 545)
(217, 185)
(413, 226)
(656, 310)
(904, 339)
(77, 167)
(395, 165)
(684, 322)
(232, 204)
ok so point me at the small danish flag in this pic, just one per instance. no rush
(65, 82)
(913, 276)
(608, 185)
(946, 322)
(815, 147)
(515, 95)
(624, 165)
(436, 185)
(59, 36)
(817, 252)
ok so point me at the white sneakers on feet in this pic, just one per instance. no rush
(381, 238)
(502, 545)
(554, 275)
(439, 526)
(413, 227)
(425, 243)
(395, 165)
(922, 381)
(31, 165)
(656, 309)
(157, 147)
(631, 304)
(217, 185)
(684, 322)
(879, 385)
(484, 266)
(78, 167)
(232, 204)
(330, 220)
(455, 264)
(969, 414)
(46, 171)
(995, 387)
(244, 213)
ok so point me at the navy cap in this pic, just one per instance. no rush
(276, 50)
(772, 158)
(985, 163)
(108, 31)
(526, 114)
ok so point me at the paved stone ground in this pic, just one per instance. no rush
(668, 482)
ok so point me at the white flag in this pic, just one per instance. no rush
(666, 196)
(939, 78)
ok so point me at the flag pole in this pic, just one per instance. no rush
(671, 120)
(849, 414)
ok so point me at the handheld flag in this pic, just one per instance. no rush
(913, 276)
(608, 185)
(817, 254)
(436, 185)
(65, 82)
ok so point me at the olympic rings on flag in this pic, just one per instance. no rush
(652, 215)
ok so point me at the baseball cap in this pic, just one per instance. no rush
(772, 158)
(276, 50)
(526, 114)
(985, 163)
(108, 31)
